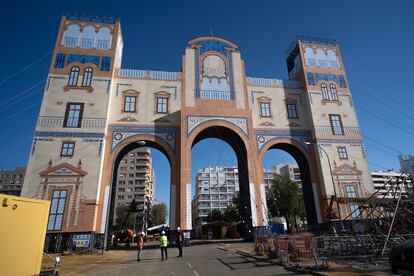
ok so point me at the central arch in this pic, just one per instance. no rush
(238, 141)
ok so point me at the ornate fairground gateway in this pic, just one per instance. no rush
(94, 112)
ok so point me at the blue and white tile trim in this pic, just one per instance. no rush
(123, 132)
(195, 121)
(68, 134)
(264, 137)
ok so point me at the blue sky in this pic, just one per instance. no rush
(375, 37)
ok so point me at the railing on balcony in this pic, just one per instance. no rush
(70, 41)
(215, 95)
(87, 42)
(102, 44)
(274, 82)
(52, 121)
(322, 63)
(327, 130)
(148, 74)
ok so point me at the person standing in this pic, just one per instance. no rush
(163, 246)
(180, 241)
(140, 244)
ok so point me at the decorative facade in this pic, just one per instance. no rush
(94, 112)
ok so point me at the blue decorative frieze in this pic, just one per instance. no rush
(168, 137)
(264, 137)
(68, 134)
(313, 78)
(106, 64)
(346, 141)
(84, 59)
(60, 60)
(140, 128)
(212, 45)
(89, 17)
(195, 121)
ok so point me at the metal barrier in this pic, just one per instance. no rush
(287, 248)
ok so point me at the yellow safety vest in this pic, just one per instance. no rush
(163, 241)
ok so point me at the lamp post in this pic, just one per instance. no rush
(333, 182)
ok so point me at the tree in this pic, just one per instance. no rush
(231, 214)
(124, 219)
(214, 215)
(158, 214)
(284, 199)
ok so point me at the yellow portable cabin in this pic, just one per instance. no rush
(23, 224)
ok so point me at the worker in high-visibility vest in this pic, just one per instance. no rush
(163, 246)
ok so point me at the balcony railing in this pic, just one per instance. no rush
(274, 82)
(147, 74)
(102, 44)
(215, 95)
(51, 121)
(322, 63)
(327, 130)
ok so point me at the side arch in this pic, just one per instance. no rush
(299, 152)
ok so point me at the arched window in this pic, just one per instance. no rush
(104, 39)
(88, 37)
(321, 58)
(332, 58)
(71, 36)
(87, 76)
(73, 76)
(334, 93)
(324, 89)
(310, 58)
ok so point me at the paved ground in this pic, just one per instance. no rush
(198, 260)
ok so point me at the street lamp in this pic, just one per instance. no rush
(333, 182)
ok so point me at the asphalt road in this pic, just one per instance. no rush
(197, 261)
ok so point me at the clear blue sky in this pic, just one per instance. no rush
(376, 39)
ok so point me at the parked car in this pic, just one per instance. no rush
(402, 258)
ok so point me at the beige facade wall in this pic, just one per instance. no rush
(211, 97)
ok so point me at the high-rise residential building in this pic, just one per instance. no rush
(136, 181)
(407, 164)
(214, 189)
(11, 181)
(289, 170)
(387, 184)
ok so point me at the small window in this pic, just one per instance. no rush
(162, 105)
(334, 93)
(342, 153)
(354, 208)
(292, 112)
(73, 115)
(57, 209)
(67, 149)
(351, 191)
(336, 124)
(87, 76)
(130, 103)
(265, 109)
(324, 90)
(74, 76)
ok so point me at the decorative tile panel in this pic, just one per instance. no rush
(84, 59)
(195, 121)
(313, 78)
(265, 136)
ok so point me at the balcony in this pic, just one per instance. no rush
(51, 121)
(327, 130)
(88, 43)
(215, 95)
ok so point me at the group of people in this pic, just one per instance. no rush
(163, 244)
